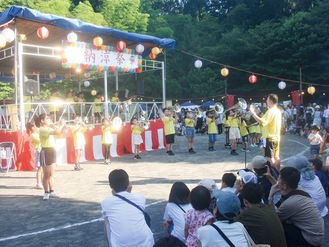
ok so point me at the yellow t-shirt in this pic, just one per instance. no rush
(46, 140)
(233, 122)
(136, 129)
(243, 128)
(114, 99)
(189, 122)
(169, 127)
(212, 127)
(69, 99)
(35, 139)
(97, 107)
(107, 137)
(27, 106)
(78, 134)
(271, 123)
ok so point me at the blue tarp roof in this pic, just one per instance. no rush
(76, 25)
(207, 104)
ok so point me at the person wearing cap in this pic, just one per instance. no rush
(315, 140)
(227, 207)
(309, 182)
(271, 123)
(260, 220)
(301, 221)
(317, 169)
(267, 175)
(246, 177)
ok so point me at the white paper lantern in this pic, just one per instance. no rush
(139, 48)
(198, 64)
(282, 85)
(86, 83)
(72, 37)
(9, 34)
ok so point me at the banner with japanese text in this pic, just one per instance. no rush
(88, 56)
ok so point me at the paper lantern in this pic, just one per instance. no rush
(252, 79)
(52, 75)
(9, 34)
(86, 83)
(42, 32)
(36, 72)
(153, 56)
(198, 64)
(3, 41)
(224, 72)
(102, 98)
(139, 48)
(98, 41)
(311, 90)
(155, 50)
(282, 85)
(72, 37)
(93, 92)
(121, 45)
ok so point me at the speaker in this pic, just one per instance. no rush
(31, 88)
(140, 87)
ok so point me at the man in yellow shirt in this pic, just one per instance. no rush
(271, 123)
(169, 121)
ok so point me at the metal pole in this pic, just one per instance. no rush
(225, 103)
(105, 95)
(20, 74)
(300, 86)
(116, 81)
(164, 79)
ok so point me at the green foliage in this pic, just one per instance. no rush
(6, 90)
(84, 11)
(51, 7)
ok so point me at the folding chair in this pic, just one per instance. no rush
(8, 153)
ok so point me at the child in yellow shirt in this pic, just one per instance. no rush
(78, 130)
(107, 140)
(136, 129)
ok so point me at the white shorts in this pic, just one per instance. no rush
(234, 133)
(137, 139)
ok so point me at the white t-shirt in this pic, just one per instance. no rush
(209, 237)
(317, 139)
(176, 215)
(127, 226)
(317, 193)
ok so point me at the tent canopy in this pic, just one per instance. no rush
(27, 22)
(207, 104)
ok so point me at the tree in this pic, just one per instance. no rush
(84, 11)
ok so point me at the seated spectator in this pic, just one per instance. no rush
(260, 220)
(317, 168)
(198, 216)
(246, 177)
(178, 204)
(302, 223)
(309, 182)
(267, 175)
(125, 224)
(210, 184)
(228, 181)
(226, 209)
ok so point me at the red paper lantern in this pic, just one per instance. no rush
(121, 45)
(153, 56)
(252, 79)
(42, 32)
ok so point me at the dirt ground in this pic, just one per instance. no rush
(74, 219)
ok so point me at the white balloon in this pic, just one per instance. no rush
(198, 64)
(86, 83)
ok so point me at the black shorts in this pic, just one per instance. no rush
(245, 138)
(270, 148)
(170, 139)
(47, 156)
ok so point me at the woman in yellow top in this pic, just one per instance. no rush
(136, 130)
(48, 152)
(234, 131)
(78, 130)
(212, 130)
(169, 121)
(107, 140)
(190, 123)
(98, 108)
(33, 132)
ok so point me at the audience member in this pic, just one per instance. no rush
(260, 220)
(178, 204)
(315, 140)
(228, 181)
(309, 182)
(317, 168)
(301, 220)
(125, 224)
(198, 216)
(226, 209)
(210, 184)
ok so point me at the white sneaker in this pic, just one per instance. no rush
(46, 196)
(53, 194)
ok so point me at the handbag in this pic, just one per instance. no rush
(250, 241)
(146, 215)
